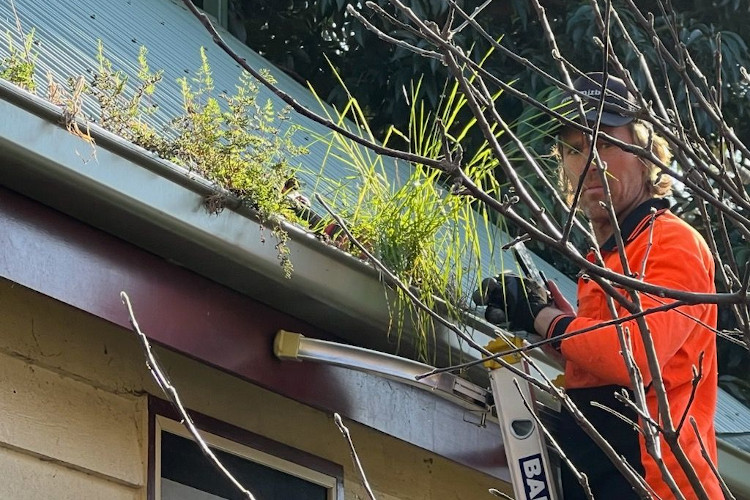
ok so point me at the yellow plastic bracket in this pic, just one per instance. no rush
(501, 344)
(286, 345)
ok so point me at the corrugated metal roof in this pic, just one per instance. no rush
(68, 33)
(732, 421)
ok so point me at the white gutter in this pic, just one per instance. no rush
(296, 347)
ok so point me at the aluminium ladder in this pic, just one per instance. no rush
(531, 475)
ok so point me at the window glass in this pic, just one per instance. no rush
(185, 473)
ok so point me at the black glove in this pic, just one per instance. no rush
(513, 299)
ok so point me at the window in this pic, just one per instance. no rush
(270, 470)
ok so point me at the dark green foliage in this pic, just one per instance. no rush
(297, 35)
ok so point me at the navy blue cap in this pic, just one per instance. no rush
(616, 99)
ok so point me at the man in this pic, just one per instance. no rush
(662, 250)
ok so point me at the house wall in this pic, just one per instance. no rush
(74, 414)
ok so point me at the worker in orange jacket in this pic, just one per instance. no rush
(661, 250)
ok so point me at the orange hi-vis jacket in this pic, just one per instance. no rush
(665, 251)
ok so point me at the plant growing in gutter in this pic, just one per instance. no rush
(231, 140)
(239, 147)
(70, 99)
(19, 66)
(428, 238)
(121, 111)
(234, 141)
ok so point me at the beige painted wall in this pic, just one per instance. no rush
(73, 417)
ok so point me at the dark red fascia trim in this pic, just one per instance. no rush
(63, 258)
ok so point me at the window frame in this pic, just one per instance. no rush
(241, 443)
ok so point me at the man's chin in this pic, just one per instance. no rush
(594, 211)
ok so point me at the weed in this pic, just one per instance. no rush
(121, 110)
(70, 99)
(230, 140)
(427, 237)
(20, 64)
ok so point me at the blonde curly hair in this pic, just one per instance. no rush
(658, 183)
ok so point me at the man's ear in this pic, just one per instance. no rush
(644, 165)
(646, 172)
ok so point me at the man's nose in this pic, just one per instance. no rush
(593, 166)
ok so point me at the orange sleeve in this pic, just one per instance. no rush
(679, 262)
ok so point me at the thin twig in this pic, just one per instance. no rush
(552, 442)
(387, 38)
(299, 108)
(704, 453)
(649, 245)
(566, 335)
(170, 391)
(697, 377)
(500, 494)
(355, 457)
(393, 280)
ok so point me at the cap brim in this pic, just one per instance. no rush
(609, 119)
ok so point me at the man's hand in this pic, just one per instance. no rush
(546, 316)
(559, 299)
(513, 299)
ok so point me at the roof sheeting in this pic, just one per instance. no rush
(68, 33)
(732, 421)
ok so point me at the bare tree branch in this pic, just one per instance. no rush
(170, 391)
(724, 488)
(355, 457)
(552, 442)
(707, 168)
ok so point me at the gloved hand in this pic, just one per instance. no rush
(510, 298)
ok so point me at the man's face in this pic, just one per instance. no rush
(625, 173)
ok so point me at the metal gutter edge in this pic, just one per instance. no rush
(164, 168)
(733, 464)
(129, 192)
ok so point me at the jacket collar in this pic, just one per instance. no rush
(636, 221)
